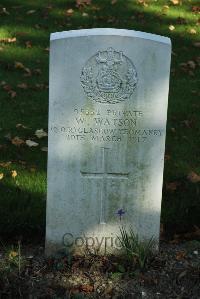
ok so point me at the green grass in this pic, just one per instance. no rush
(22, 199)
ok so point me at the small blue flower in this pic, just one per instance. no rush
(120, 212)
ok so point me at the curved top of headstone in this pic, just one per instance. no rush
(110, 31)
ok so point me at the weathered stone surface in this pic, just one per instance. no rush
(107, 119)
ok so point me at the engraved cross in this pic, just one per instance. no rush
(104, 175)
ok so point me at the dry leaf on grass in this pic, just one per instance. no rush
(5, 164)
(172, 186)
(40, 133)
(31, 143)
(21, 126)
(180, 255)
(37, 71)
(197, 44)
(30, 12)
(191, 64)
(192, 31)
(19, 65)
(4, 11)
(8, 88)
(80, 3)
(22, 86)
(85, 14)
(28, 44)
(86, 288)
(17, 141)
(175, 2)
(12, 94)
(1, 175)
(165, 9)
(193, 177)
(171, 27)
(69, 12)
(8, 40)
(13, 173)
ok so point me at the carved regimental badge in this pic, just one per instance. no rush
(109, 77)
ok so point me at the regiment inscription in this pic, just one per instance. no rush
(109, 77)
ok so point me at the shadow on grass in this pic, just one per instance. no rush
(22, 213)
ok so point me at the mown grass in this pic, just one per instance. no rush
(22, 199)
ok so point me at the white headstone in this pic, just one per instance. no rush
(107, 122)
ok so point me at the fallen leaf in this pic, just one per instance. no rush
(19, 65)
(84, 14)
(12, 94)
(21, 126)
(40, 133)
(86, 288)
(173, 130)
(5, 164)
(22, 85)
(175, 2)
(31, 143)
(172, 186)
(4, 10)
(1, 175)
(165, 9)
(69, 12)
(180, 255)
(40, 86)
(27, 72)
(13, 173)
(8, 40)
(196, 9)
(37, 71)
(193, 177)
(197, 44)
(113, 2)
(17, 141)
(28, 44)
(191, 64)
(30, 12)
(171, 27)
(12, 254)
(44, 149)
(143, 2)
(167, 157)
(192, 31)
(7, 87)
(80, 3)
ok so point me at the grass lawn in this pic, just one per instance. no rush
(24, 57)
